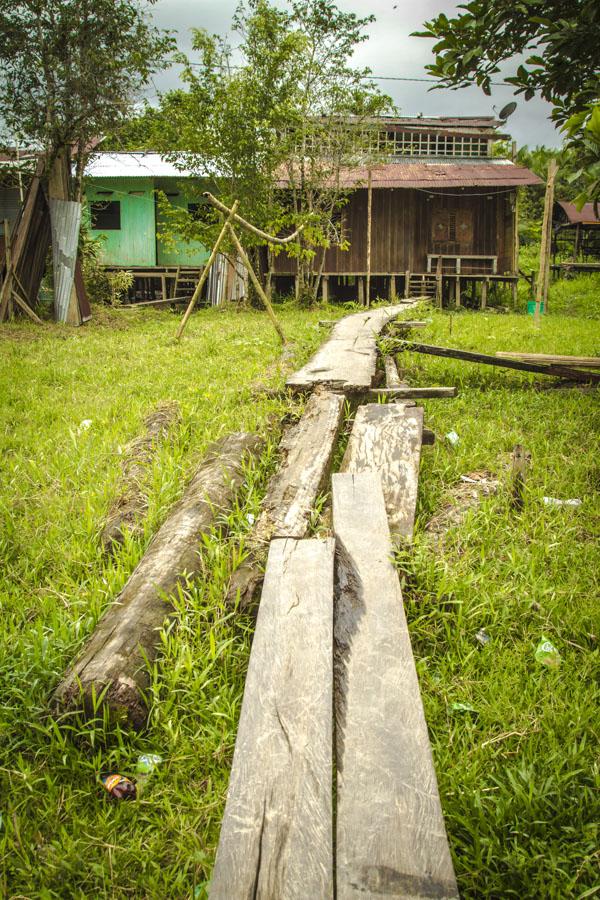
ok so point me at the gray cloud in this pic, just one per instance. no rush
(390, 51)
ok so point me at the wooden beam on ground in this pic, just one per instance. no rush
(126, 639)
(392, 379)
(579, 362)
(347, 361)
(276, 836)
(386, 439)
(413, 393)
(306, 452)
(129, 507)
(519, 365)
(390, 835)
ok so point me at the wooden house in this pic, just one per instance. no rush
(575, 238)
(122, 205)
(443, 214)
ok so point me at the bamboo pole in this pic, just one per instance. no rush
(240, 221)
(369, 223)
(257, 285)
(206, 270)
(544, 269)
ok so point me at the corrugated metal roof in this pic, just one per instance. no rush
(583, 216)
(132, 165)
(433, 174)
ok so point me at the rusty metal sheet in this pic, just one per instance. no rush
(434, 175)
(583, 216)
(65, 219)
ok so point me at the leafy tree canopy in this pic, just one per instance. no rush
(70, 69)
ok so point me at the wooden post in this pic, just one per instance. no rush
(544, 270)
(206, 270)
(297, 287)
(516, 234)
(325, 288)
(8, 260)
(514, 286)
(257, 285)
(407, 284)
(438, 282)
(369, 216)
(457, 291)
(361, 290)
(484, 293)
(392, 288)
(577, 242)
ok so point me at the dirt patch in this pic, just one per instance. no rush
(460, 500)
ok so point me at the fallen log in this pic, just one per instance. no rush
(126, 640)
(306, 451)
(519, 365)
(127, 510)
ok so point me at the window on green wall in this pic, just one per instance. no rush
(106, 215)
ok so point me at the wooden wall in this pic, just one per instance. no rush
(403, 227)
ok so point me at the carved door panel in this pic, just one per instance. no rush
(464, 229)
(439, 226)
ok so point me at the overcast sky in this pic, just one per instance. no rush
(389, 51)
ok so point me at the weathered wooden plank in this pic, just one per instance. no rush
(413, 393)
(276, 836)
(518, 364)
(306, 451)
(347, 360)
(116, 656)
(392, 379)
(391, 839)
(387, 439)
(581, 362)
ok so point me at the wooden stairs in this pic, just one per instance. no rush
(423, 285)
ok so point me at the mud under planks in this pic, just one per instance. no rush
(390, 836)
(276, 836)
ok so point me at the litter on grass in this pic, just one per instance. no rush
(483, 637)
(83, 426)
(554, 501)
(547, 654)
(119, 787)
(452, 438)
(462, 707)
(148, 762)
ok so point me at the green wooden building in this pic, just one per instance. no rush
(121, 195)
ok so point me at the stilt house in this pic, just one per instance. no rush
(575, 238)
(443, 214)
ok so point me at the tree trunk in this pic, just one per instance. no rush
(126, 640)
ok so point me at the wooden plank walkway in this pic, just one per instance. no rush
(306, 452)
(347, 360)
(386, 438)
(276, 836)
(390, 835)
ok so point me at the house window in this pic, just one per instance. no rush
(106, 215)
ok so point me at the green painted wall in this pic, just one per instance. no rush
(136, 242)
(177, 253)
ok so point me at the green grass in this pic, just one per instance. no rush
(517, 777)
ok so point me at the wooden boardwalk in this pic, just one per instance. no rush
(347, 360)
(338, 647)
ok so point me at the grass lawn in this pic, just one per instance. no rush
(518, 774)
